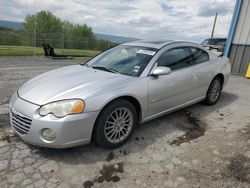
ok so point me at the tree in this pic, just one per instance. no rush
(9, 36)
(47, 28)
(46, 25)
(50, 29)
(77, 36)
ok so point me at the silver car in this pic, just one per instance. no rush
(105, 99)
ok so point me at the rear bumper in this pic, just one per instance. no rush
(227, 73)
(70, 131)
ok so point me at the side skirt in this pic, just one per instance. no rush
(174, 109)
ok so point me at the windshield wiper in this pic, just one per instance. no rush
(105, 69)
(84, 64)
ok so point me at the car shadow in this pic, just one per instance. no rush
(168, 128)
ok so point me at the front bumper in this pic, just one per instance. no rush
(70, 131)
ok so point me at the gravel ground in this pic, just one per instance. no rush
(198, 146)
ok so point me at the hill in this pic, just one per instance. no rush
(112, 38)
(11, 24)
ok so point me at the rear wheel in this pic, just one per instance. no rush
(214, 91)
(115, 124)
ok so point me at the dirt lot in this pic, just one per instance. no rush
(199, 146)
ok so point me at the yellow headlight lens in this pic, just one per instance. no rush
(78, 108)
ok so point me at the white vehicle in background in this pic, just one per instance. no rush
(217, 45)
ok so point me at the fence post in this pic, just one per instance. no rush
(62, 38)
(87, 43)
(34, 39)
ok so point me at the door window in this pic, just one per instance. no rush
(175, 58)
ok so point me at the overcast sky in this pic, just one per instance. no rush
(174, 19)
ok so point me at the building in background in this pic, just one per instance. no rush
(238, 41)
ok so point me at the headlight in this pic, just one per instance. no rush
(62, 108)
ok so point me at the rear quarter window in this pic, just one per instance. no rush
(198, 55)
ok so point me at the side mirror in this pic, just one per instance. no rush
(161, 71)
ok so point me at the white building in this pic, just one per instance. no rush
(238, 41)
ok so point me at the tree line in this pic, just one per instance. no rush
(44, 27)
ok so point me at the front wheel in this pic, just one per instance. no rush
(115, 124)
(214, 91)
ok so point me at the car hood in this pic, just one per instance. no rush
(69, 82)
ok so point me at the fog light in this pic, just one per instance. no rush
(48, 134)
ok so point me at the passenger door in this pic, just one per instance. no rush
(176, 88)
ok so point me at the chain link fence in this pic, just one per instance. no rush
(62, 42)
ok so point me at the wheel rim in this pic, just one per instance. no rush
(118, 125)
(214, 90)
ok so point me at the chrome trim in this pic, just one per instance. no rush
(20, 122)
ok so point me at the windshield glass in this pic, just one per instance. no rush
(126, 60)
(220, 42)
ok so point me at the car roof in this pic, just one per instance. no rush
(154, 43)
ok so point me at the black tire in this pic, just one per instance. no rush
(100, 136)
(211, 97)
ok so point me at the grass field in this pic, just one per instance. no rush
(7, 50)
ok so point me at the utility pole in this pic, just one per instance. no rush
(215, 19)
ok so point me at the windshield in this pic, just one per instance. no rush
(126, 60)
(219, 42)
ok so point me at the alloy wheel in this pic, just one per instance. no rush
(118, 125)
(214, 90)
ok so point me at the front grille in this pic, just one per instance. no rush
(20, 122)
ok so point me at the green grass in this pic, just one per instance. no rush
(7, 50)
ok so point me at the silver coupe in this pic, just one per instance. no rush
(105, 99)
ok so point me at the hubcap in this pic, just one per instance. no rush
(214, 90)
(118, 125)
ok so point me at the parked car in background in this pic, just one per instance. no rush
(104, 100)
(215, 44)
